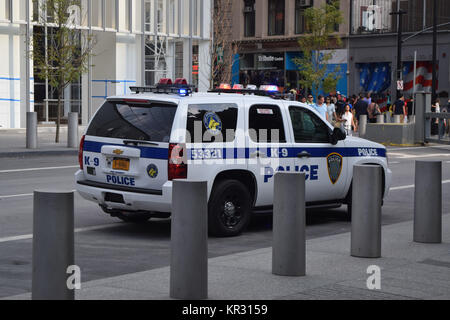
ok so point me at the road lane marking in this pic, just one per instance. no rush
(412, 156)
(38, 169)
(16, 196)
(412, 186)
(418, 148)
(77, 230)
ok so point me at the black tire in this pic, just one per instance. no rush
(229, 209)
(133, 217)
(348, 215)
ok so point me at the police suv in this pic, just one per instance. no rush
(137, 144)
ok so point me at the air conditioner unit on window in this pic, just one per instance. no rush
(304, 3)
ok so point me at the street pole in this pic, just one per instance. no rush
(433, 86)
(400, 14)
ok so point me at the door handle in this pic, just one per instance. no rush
(304, 154)
(258, 154)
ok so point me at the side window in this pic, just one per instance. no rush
(307, 126)
(212, 122)
(266, 124)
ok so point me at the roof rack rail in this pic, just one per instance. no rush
(181, 89)
(264, 93)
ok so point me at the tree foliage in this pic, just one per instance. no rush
(315, 45)
(60, 50)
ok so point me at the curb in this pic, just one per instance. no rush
(39, 153)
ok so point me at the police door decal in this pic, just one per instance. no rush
(334, 164)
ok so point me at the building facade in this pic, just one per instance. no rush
(373, 46)
(138, 42)
(267, 33)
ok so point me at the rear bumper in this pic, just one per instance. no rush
(140, 200)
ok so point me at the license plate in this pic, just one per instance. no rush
(121, 164)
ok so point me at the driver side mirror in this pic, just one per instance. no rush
(337, 135)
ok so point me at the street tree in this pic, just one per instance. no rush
(223, 47)
(317, 46)
(60, 51)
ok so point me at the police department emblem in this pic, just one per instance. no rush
(212, 123)
(152, 171)
(334, 164)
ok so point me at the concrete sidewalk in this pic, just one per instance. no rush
(408, 271)
(13, 143)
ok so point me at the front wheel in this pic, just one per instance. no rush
(229, 209)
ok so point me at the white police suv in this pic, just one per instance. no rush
(137, 144)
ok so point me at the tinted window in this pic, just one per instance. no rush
(307, 126)
(147, 122)
(266, 124)
(212, 122)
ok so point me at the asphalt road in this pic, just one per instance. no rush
(106, 247)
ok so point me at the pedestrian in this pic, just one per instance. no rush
(360, 107)
(310, 101)
(340, 105)
(399, 107)
(331, 110)
(321, 107)
(303, 99)
(348, 121)
(368, 98)
(373, 111)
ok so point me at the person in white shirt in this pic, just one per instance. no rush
(321, 107)
(348, 121)
(331, 110)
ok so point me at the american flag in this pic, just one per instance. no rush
(424, 75)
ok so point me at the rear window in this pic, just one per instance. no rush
(146, 122)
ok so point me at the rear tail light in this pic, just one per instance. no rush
(80, 153)
(177, 168)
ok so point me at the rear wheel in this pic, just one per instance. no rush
(229, 209)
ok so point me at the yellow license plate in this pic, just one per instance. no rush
(121, 164)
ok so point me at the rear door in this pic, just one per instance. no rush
(268, 147)
(126, 145)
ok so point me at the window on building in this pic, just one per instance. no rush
(4, 10)
(249, 18)
(336, 26)
(161, 16)
(110, 14)
(173, 16)
(300, 21)
(124, 15)
(266, 124)
(97, 13)
(276, 17)
(19, 10)
(148, 15)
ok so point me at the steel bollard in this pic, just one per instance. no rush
(189, 241)
(428, 202)
(53, 245)
(366, 211)
(397, 118)
(31, 142)
(72, 130)
(380, 118)
(289, 236)
(362, 125)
